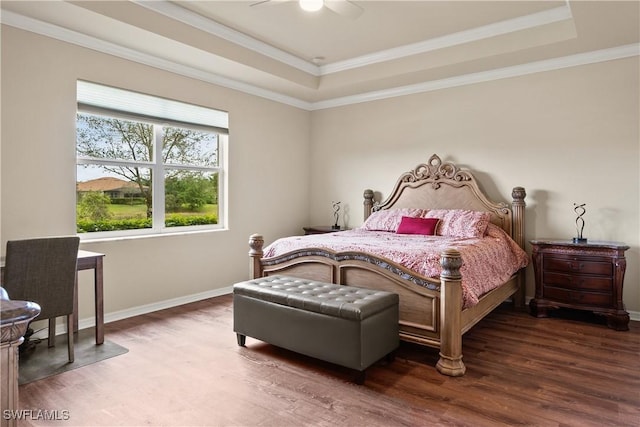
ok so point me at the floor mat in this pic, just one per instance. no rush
(43, 362)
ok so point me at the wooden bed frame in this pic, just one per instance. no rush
(431, 311)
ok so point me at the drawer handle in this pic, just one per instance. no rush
(577, 265)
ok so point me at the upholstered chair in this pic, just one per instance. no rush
(43, 270)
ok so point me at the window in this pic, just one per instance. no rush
(147, 165)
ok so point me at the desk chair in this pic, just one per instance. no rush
(43, 270)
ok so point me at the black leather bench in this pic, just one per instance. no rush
(346, 325)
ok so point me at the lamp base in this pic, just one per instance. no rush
(335, 227)
(579, 240)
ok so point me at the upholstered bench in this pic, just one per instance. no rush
(346, 325)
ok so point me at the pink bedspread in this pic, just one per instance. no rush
(487, 262)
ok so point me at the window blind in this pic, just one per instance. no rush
(100, 99)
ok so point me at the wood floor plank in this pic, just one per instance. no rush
(184, 368)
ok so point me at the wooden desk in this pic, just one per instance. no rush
(91, 261)
(88, 261)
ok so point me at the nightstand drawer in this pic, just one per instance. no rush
(577, 281)
(579, 265)
(577, 298)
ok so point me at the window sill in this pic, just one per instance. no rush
(88, 238)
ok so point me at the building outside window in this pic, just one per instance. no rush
(147, 165)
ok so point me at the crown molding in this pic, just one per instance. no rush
(212, 27)
(90, 42)
(579, 59)
(561, 13)
(169, 9)
(73, 37)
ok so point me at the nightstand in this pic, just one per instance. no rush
(320, 229)
(584, 276)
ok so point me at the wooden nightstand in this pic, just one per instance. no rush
(585, 276)
(320, 229)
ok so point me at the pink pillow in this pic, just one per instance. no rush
(426, 226)
(389, 219)
(460, 223)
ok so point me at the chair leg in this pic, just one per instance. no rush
(52, 332)
(70, 337)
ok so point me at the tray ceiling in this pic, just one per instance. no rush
(323, 59)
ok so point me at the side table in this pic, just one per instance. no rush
(15, 316)
(320, 229)
(584, 276)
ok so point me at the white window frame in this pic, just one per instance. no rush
(158, 112)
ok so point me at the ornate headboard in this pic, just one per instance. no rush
(443, 185)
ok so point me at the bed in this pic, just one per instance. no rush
(433, 311)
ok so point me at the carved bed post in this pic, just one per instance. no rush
(255, 253)
(518, 207)
(368, 203)
(450, 362)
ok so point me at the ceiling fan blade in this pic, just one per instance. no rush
(267, 2)
(344, 8)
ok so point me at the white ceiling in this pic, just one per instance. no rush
(323, 59)
(382, 25)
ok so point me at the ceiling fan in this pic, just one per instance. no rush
(341, 7)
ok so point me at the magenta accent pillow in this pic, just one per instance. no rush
(389, 219)
(460, 223)
(426, 226)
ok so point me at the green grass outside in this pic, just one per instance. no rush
(140, 211)
(133, 217)
(128, 211)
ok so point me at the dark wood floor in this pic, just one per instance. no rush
(185, 368)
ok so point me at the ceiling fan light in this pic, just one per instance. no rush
(311, 5)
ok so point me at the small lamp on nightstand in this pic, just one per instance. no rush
(579, 222)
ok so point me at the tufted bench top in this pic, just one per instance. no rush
(347, 302)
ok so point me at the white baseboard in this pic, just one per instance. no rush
(89, 322)
(161, 305)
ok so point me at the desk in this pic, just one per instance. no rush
(91, 261)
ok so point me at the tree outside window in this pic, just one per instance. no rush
(136, 175)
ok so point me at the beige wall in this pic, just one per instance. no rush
(38, 171)
(566, 136)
